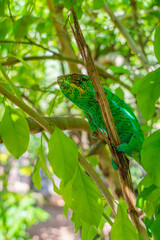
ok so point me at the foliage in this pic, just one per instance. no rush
(17, 211)
(122, 227)
(32, 58)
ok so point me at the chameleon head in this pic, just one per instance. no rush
(77, 88)
(74, 81)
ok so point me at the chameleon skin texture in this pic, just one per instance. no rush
(79, 89)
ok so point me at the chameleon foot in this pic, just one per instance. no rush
(124, 147)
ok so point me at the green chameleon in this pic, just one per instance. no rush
(79, 89)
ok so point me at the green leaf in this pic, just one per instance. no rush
(20, 27)
(97, 4)
(25, 64)
(155, 228)
(65, 210)
(157, 43)
(150, 156)
(15, 132)
(148, 93)
(135, 86)
(77, 222)
(147, 199)
(45, 168)
(68, 3)
(88, 232)
(119, 92)
(122, 228)
(151, 193)
(83, 197)
(5, 27)
(148, 222)
(116, 69)
(63, 155)
(3, 4)
(36, 177)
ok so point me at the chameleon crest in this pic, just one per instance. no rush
(79, 89)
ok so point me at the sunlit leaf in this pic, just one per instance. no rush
(20, 27)
(119, 92)
(3, 4)
(148, 196)
(36, 177)
(63, 155)
(150, 153)
(148, 93)
(83, 197)
(15, 132)
(122, 228)
(45, 169)
(155, 228)
(97, 4)
(88, 232)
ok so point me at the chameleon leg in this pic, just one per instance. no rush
(133, 148)
(93, 127)
(124, 147)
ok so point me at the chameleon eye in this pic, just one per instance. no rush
(76, 78)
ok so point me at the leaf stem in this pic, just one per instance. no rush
(107, 219)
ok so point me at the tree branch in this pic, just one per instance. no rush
(50, 129)
(56, 56)
(19, 103)
(30, 42)
(128, 37)
(144, 11)
(64, 38)
(64, 123)
(113, 138)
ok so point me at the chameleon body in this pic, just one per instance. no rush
(79, 89)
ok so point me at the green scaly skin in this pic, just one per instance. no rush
(79, 89)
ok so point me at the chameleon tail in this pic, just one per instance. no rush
(114, 165)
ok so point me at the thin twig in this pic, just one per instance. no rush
(113, 137)
(30, 42)
(56, 56)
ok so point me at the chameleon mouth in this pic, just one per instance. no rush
(62, 79)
